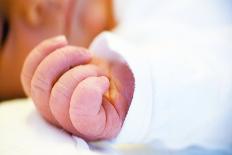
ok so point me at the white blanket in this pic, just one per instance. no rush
(23, 131)
(148, 25)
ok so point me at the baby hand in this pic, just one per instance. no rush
(75, 91)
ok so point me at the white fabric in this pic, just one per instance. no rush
(189, 46)
(106, 46)
(23, 131)
(191, 102)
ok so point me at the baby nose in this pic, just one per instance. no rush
(38, 12)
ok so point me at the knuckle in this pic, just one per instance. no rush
(60, 90)
(39, 84)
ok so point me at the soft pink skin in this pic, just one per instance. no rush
(31, 21)
(72, 90)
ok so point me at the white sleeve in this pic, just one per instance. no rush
(138, 119)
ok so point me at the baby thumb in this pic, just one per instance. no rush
(86, 111)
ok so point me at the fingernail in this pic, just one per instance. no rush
(89, 53)
(60, 38)
(86, 51)
(104, 79)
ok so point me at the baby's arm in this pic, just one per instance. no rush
(87, 96)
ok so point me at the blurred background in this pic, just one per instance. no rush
(202, 26)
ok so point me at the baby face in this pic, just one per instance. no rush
(25, 23)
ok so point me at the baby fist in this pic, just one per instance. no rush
(69, 92)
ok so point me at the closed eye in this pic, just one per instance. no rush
(4, 30)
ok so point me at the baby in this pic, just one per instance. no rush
(79, 20)
(173, 87)
(72, 89)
